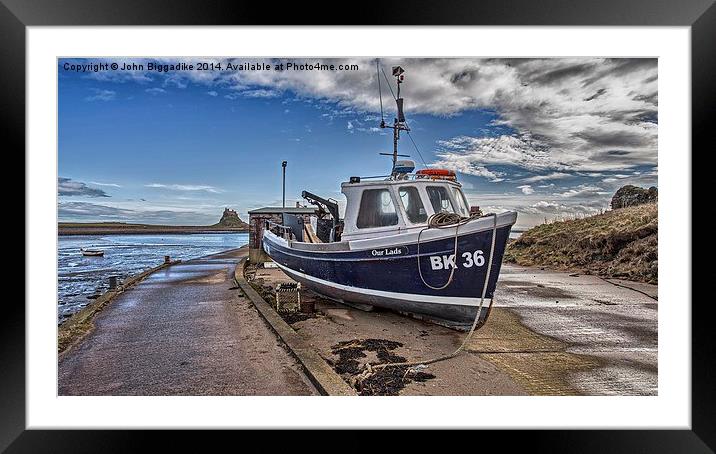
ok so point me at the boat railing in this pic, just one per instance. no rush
(410, 177)
(279, 230)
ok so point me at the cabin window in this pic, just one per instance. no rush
(461, 202)
(376, 209)
(439, 199)
(414, 209)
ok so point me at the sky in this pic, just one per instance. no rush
(160, 143)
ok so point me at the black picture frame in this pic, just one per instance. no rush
(700, 15)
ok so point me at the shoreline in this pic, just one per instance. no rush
(71, 331)
(72, 231)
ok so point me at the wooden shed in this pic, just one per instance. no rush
(257, 222)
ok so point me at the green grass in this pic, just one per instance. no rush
(619, 243)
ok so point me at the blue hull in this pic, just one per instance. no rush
(388, 277)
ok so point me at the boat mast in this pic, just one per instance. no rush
(399, 123)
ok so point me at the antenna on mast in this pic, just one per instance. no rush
(380, 94)
(399, 123)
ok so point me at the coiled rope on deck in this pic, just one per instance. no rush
(446, 220)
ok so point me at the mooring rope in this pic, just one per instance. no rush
(442, 222)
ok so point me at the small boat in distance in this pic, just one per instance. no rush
(408, 241)
(92, 252)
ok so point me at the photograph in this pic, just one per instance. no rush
(411, 217)
(357, 226)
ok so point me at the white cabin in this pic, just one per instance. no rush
(389, 207)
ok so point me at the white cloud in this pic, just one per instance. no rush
(615, 178)
(548, 177)
(562, 117)
(463, 164)
(526, 189)
(85, 211)
(212, 93)
(69, 187)
(101, 95)
(260, 93)
(112, 185)
(537, 208)
(185, 187)
(555, 210)
(155, 91)
(583, 190)
(545, 204)
(466, 152)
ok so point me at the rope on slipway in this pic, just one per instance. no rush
(627, 287)
(446, 220)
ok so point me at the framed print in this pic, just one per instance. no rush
(444, 219)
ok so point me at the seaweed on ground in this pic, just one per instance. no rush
(387, 381)
(294, 317)
(390, 380)
(347, 354)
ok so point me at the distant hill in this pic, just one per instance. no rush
(232, 220)
(620, 243)
(229, 221)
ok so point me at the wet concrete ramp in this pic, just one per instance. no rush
(182, 331)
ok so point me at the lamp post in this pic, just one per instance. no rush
(283, 165)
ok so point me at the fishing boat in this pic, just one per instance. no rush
(408, 241)
(92, 252)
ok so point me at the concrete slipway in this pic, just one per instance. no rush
(550, 333)
(577, 334)
(186, 330)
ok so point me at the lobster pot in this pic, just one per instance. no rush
(288, 297)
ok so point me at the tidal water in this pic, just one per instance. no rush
(124, 255)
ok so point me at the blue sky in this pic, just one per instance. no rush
(550, 138)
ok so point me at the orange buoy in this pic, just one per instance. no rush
(437, 174)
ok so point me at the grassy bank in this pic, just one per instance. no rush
(620, 243)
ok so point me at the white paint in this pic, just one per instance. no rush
(409, 297)
(670, 409)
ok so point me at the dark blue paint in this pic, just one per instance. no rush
(399, 273)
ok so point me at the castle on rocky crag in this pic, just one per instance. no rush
(231, 219)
